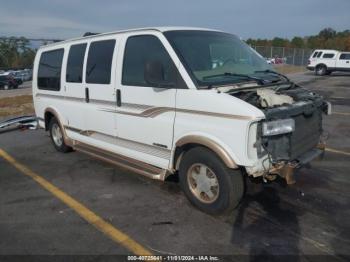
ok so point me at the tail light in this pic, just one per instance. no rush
(308, 62)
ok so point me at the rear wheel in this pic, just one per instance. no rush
(57, 138)
(321, 70)
(208, 183)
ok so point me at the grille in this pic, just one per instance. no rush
(306, 136)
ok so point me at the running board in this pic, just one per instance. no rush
(122, 161)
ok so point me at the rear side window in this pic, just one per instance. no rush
(99, 63)
(319, 54)
(345, 56)
(138, 51)
(49, 72)
(328, 55)
(315, 54)
(75, 63)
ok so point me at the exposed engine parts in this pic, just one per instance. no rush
(269, 98)
(286, 149)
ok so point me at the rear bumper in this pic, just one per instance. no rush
(311, 68)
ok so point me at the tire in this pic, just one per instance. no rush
(221, 187)
(321, 70)
(56, 135)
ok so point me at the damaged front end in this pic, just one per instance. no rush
(291, 134)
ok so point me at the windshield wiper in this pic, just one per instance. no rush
(247, 77)
(274, 73)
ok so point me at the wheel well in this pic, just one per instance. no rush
(180, 150)
(320, 65)
(48, 117)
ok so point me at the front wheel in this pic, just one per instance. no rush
(208, 183)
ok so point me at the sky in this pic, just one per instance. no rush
(62, 19)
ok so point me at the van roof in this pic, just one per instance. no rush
(159, 29)
(325, 50)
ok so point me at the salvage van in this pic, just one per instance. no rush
(197, 103)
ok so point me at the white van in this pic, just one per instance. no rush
(194, 102)
(325, 61)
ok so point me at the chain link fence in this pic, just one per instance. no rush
(284, 55)
(274, 55)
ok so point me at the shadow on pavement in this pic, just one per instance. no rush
(258, 227)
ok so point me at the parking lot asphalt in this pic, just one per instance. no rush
(23, 89)
(308, 218)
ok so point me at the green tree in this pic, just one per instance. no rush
(297, 42)
(15, 52)
(327, 33)
(277, 41)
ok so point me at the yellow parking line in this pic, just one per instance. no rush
(341, 113)
(337, 151)
(105, 227)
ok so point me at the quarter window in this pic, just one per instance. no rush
(319, 54)
(315, 54)
(49, 72)
(344, 56)
(75, 63)
(99, 64)
(138, 51)
(328, 55)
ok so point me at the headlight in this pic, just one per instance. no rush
(278, 127)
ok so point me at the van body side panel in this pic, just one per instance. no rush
(146, 116)
(198, 113)
(74, 97)
(43, 98)
(102, 97)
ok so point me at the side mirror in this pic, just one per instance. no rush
(154, 75)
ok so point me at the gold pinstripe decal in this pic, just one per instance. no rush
(148, 111)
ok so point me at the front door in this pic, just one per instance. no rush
(145, 114)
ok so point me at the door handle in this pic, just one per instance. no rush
(119, 98)
(347, 62)
(87, 96)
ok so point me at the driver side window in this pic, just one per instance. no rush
(139, 50)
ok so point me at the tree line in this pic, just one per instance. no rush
(15, 53)
(327, 38)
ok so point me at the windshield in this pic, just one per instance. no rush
(214, 57)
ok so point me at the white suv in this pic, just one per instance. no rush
(325, 61)
(194, 102)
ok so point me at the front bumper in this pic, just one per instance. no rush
(286, 169)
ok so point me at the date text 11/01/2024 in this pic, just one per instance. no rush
(173, 258)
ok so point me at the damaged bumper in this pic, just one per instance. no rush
(285, 169)
(281, 154)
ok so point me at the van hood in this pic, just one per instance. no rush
(278, 101)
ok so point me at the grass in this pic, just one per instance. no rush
(16, 106)
(289, 69)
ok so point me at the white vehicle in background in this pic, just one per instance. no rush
(325, 61)
(194, 102)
